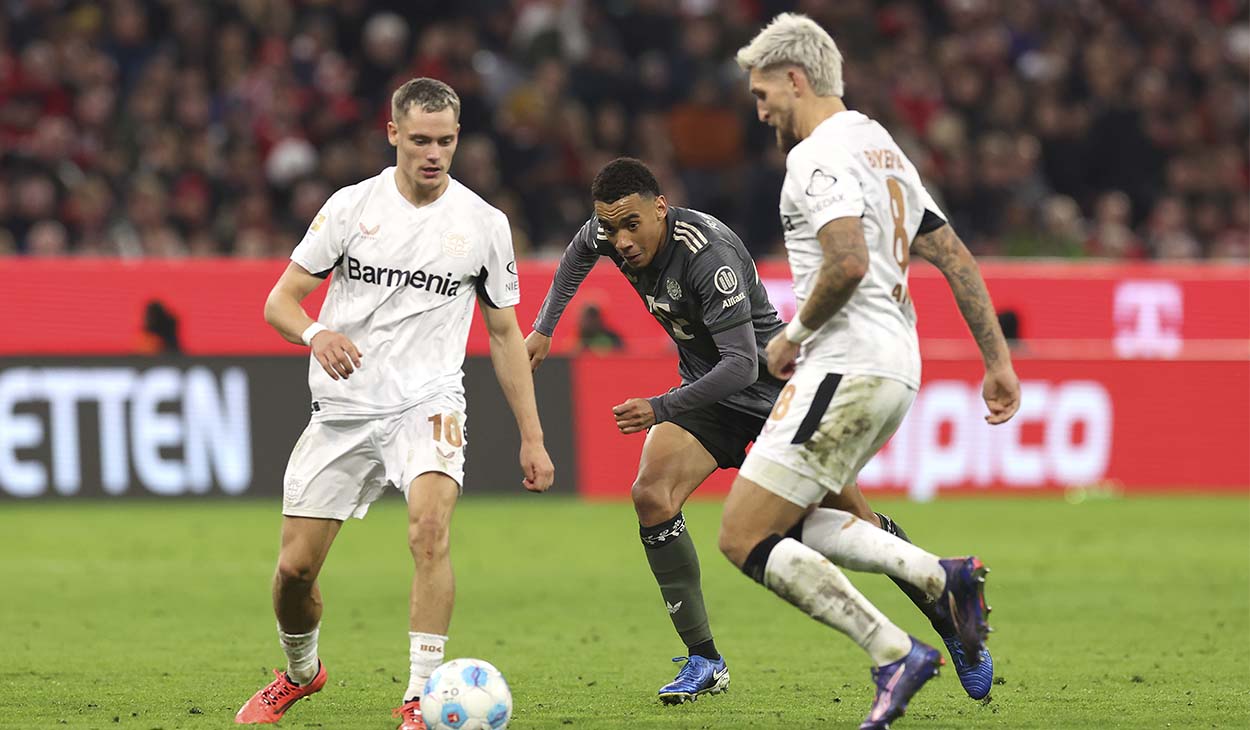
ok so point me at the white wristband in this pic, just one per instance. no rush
(796, 333)
(311, 332)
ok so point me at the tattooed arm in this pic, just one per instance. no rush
(944, 250)
(844, 265)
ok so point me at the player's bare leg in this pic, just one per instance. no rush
(751, 537)
(297, 604)
(852, 500)
(431, 500)
(306, 542)
(672, 466)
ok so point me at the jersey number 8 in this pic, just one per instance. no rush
(902, 246)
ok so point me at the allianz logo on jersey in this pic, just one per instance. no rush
(418, 279)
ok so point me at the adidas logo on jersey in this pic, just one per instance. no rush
(445, 285)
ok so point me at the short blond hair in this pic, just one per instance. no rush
(796, 40)
(431, 95)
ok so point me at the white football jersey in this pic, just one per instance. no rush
(850, 167)
(404, 285)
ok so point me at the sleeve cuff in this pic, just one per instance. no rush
(660, 409)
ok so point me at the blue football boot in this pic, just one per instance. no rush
(898, 681)
(962, 603)
(976, 677)
(700, 676)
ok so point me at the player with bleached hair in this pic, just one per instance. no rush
(412, 250)
(853, 209)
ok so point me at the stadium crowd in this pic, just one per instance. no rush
(1105, 128)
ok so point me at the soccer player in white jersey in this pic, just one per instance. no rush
(411, 250)
(854, 210)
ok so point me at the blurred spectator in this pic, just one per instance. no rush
(47, 238)
(1111, 235)
(1168, 233)
(593, 333)
(1009, 322)
(174, 127)
(1058, 232)
(160, 330)
(1234, 241)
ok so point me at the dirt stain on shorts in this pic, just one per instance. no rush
(851, 430)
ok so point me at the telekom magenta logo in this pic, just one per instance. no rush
(1061, 435)
(1148, 317)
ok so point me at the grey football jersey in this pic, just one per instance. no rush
(702, 282)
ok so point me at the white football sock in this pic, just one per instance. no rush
(301, 655)
(858, 545)
(800, 575)
(425, 654)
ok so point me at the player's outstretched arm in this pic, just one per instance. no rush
(843, 265)
(338, 355)
(578, 259)
(507, 355)
(943, 248)
(735, 371)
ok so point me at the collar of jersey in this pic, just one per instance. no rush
(667, 253)
(393, 187)
(846, 116)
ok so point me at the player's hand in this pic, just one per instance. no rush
(537, 346)
(783, 355)
(337, 354)
(536, 466)
(634, 415)
(1001, 391)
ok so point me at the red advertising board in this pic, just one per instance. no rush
(1136, 425)
(95, 306)
(1136, 375)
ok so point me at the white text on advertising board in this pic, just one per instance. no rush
(179, 431)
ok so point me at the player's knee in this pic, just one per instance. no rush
(293, 571)
(428, 538)
(653, 501)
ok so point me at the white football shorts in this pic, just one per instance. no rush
(338, 468)
(823, 429)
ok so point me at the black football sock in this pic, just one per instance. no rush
(675, 564)
(942, 625)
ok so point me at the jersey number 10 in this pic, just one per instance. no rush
(902, 246)
(447, 428)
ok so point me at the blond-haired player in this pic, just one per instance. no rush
(411, 251)
(854, 210)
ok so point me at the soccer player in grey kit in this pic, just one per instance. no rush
(696, 278)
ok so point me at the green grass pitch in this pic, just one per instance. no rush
(1131, 613)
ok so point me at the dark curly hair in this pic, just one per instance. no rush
(622, 177)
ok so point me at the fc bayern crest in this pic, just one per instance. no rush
(674, 289)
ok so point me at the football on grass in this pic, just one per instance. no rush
(466, 694)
